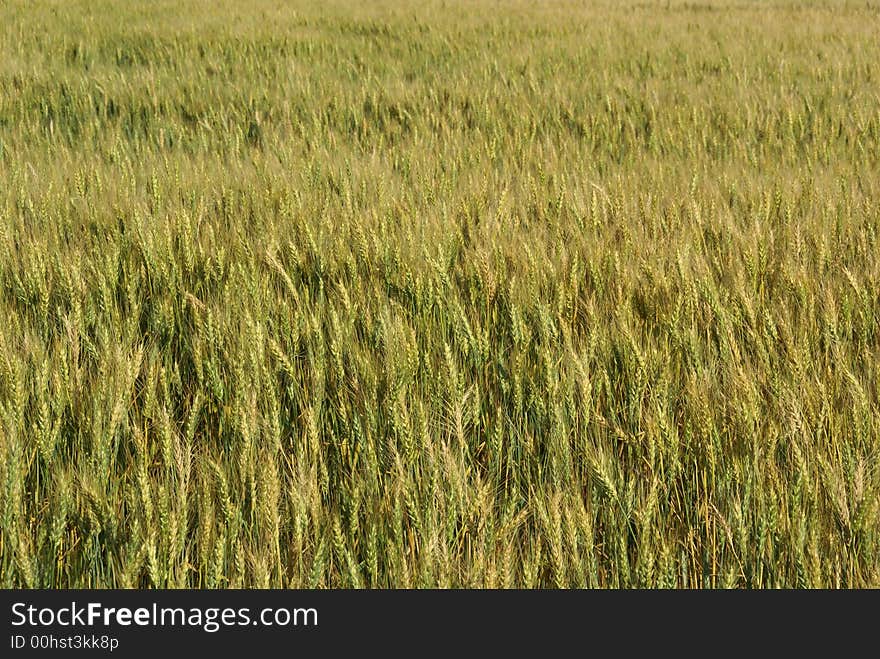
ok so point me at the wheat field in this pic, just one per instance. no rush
(477, 294)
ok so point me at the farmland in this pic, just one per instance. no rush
(443, 294)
